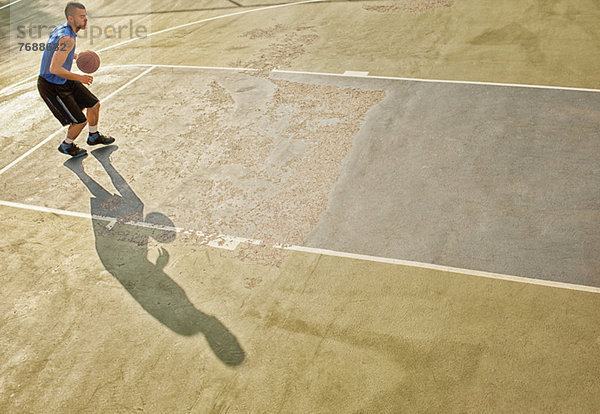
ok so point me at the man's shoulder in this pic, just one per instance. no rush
(60, 28)
(63, 30)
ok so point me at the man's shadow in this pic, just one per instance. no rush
(123, 250)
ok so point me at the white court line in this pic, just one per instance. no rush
(179, 67)
(356, 73)
(488, 275)
(513, 85)
(209, 20)
(9, 4)
(220, 241)
(14, 85)
(28, 153)
(231, 242)
(129, 83)
(7, 88)
(352, 74)
(347, 74)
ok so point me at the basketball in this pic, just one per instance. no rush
(88, 61)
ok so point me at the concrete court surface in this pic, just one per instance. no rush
(318, 333)
(123, 318)
(248, 330)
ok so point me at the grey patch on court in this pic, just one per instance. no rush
(490, 178)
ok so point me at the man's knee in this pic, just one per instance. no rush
(79, 124)
(96, 107)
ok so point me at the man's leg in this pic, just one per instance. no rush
(74, 131)
(95, 137)
(67, 146)
(93, 115)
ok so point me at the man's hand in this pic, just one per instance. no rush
(86, 79)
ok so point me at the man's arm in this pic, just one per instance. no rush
(64, 47)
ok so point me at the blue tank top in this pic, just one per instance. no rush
(51, 47)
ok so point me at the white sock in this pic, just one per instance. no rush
(93, 129)
(68, 141)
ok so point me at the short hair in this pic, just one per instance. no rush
(72, 5)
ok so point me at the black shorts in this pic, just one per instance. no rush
(67, 100)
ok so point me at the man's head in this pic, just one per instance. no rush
(76, 15)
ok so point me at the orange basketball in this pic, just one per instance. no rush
(88, 61)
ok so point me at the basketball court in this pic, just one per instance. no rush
(363, 206)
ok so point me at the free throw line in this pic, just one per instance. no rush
(459, 82)
(351, 74)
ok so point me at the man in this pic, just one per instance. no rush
(63, 91)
